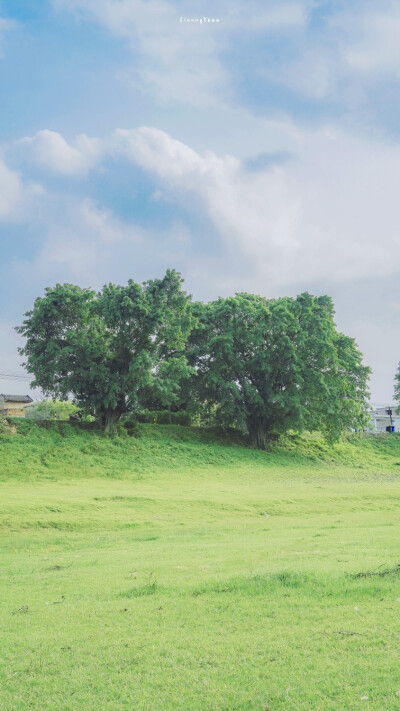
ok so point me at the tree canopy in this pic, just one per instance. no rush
(262, 365)
(103, 348)
(269, 366)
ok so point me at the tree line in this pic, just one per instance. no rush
(261, 365)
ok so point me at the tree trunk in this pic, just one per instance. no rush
(109, 420)
(258, 432)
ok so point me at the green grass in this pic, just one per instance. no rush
(184, 571)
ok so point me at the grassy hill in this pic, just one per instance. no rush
(181, 569)
(61, 450)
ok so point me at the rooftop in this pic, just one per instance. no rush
(15, 398)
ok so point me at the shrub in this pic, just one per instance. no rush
(52, 410)
(164, 417)
(4, 426)
(130, 426)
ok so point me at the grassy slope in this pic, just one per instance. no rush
(177, 571)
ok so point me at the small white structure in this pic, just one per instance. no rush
(384, 419)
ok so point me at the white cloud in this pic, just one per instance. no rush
(15, 196)
(87, 244)
(331, 214)
(356, 47)
(337, 61)
(10, 190)
(282, 17)
(178, 61)
(83, 243)
(181, 61)
(50, 150)
(184, 62)
(372, 39)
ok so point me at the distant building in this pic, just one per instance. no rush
(13, 405)
(385, 419)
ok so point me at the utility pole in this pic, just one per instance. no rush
(389, 411)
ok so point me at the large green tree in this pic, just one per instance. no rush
(104, 348)
(268, 366)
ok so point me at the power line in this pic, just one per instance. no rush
(13, 376)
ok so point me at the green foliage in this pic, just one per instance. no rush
(131, 426)
(4, 427)
(269, 366)
(61, 449)
(164, 417)
(169, 379)
(53, 410)
(104, 348)
(262, 366)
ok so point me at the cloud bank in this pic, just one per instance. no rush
(329, 213)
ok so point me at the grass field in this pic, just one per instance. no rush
(182, 571)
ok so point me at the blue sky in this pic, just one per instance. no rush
(258, 152)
